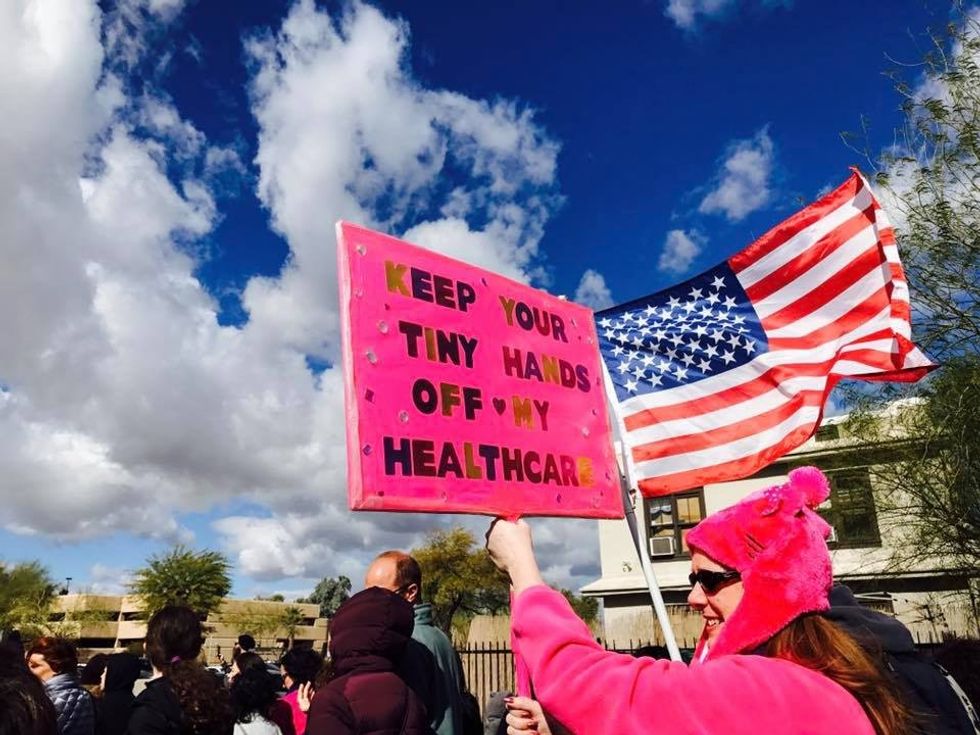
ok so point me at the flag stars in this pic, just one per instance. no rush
(734, 341)
(680, 373)
(696, 293)
(624, 366)
(712, 298)
(605, 322)
(729, 302)
(630, 385)
(704, 366)
(718, 282)
(728, 357)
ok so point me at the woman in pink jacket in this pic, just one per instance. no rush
(767, 661)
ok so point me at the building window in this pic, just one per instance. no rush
(827, 432)
(850, 509)
(668, 521)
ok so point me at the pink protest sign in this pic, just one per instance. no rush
(467, 392)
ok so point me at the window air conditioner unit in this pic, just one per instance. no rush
(832, 538)
(662, 546)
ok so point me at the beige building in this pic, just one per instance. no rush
(932, 599)
(106, 623)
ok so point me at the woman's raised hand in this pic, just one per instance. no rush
(511, 549)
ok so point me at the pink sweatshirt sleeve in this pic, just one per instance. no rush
(596, 692)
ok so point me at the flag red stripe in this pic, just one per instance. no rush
(722, 435)
(799, 221)
(866, 263)
(729, 396)
(742, 467)
(860, 314)
(826, 245)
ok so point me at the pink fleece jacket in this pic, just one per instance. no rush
(595, 692)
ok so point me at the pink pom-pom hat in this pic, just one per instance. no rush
(777, 542)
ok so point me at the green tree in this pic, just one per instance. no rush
(586, 608)
(458, 578)
(290, 619)
(329, 593)
(198, 580)
(255, 619)
(26, 593)
(929, 489)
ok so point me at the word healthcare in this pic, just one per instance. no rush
(467, 392)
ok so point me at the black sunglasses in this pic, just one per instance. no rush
(711, 581)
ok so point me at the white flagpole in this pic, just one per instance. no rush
(626, 484)
(658, 599)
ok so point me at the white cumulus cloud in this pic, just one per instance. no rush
(688, 14)
(680, 249)
(123, 401)
(593, 292)
(742, 185)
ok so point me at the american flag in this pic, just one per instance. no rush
(717, 377)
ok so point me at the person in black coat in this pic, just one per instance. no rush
(368, 636)
(183, 698)
(114, 708)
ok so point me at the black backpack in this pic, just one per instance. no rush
(927, 688)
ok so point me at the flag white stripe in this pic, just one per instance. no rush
(752, 370)
(850, 368)
(804, 239)
(738, 449)
(885, 345)
(814, 278)
(728, 416)
(834, 309)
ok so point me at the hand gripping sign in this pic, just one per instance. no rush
(467, 392)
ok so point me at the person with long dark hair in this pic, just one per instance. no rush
(182, 698)
(25, 708)
(767, 660)
(253, 695)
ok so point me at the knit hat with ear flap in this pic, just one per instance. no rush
(776, 541)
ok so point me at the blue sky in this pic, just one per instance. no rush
(172, 170)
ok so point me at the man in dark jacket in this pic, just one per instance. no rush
(928, 693)
(368, 635)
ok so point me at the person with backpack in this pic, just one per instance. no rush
(925, 687)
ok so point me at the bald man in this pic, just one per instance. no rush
(431, 665)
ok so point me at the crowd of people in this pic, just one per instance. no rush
(782, 650)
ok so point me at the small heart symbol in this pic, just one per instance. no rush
(499, 405)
